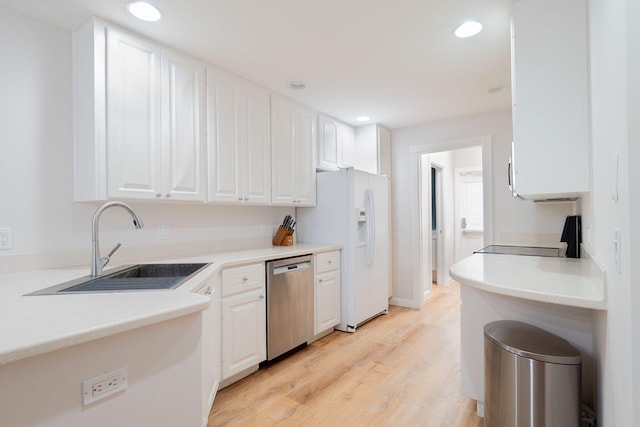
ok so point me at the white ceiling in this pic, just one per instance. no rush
(394, 60)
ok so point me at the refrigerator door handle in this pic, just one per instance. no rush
(371, 227)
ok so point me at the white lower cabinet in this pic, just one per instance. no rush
(244, 342)
(211, 345)
(327, 291)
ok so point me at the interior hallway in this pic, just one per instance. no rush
(401, 369)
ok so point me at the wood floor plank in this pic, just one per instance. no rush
(399, 369)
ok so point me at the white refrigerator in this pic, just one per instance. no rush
(352, 211)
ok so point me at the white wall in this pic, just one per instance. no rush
(163, 364)
(467, 157)
(514, 220)
(633, 89)
(36, 172)
(614, 71)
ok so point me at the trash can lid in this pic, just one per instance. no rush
(532, 342)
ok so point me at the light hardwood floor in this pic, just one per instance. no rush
(400, 369)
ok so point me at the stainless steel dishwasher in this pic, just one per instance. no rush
(289, 304)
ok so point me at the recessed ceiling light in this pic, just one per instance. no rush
(144, 11)
(297, 85)
(468, 29)
(363, 118)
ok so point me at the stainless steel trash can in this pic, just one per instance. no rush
(532, 377)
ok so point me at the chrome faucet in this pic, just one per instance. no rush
(97, 262)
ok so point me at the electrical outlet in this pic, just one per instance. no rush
(163, 232)
(6, 238)
(617, 249)
(104, 385)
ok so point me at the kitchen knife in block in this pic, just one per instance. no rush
(283, 237)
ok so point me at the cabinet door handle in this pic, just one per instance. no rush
(209, 291)
(261, 296)
(245, 278)
(168, 195)
(509, 174)
(158, 195)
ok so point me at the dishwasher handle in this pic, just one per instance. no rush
(291, 267)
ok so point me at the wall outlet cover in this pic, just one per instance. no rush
(104, 385)
(6, 238)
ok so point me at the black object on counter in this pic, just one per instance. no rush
(572, 235)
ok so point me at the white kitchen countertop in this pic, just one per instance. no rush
(31, 325)
(565, 281)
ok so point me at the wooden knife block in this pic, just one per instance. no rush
(283, 237)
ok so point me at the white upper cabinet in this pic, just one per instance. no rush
(335, 144)
(550, 99)
(239, 159)
(327, 143)
(139, 129)
(373, 149)
(184, 127)
(346, 145)
(293, 144)
(134, 117)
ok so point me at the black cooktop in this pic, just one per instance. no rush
(519, 250)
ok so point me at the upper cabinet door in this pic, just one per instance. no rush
(283, 140)
(225, 150)
(184, 127)
(239, 140)
(134, 121)
(327, 143)
(293, 139)
(256, 121)
(336, 142)
(373, 146)
(305, 162)
(346, 146)
(550, 98)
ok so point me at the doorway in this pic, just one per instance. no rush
(432, 222)
(468, 212)
(454, 207)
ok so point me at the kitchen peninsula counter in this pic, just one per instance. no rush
(559, 295)
(565, 281)
(33, 325)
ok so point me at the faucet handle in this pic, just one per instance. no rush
(106, 259)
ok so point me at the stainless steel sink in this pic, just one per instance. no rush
(140, 277)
